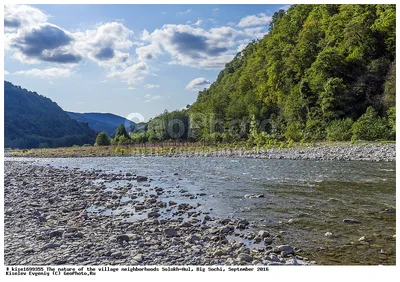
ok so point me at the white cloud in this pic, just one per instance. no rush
(184, 13)
(254, 20)
(151, 86)
(255, 32)
(130, 75)
(150, 98)
(241, 47)
(191, 46)
(42, 43)
(47, 73)
(108, 44)
(18, 16)
(198, 23)
(6, 72)
(148, 52)
(131, 88)
(104, 44)
(198, 83)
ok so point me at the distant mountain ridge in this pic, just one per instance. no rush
(34, 121)
(106, 122)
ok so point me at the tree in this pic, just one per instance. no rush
(121, 131)
(102, 139)
(332, 99)
(371, 127)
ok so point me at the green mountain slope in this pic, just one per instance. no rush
(32, 121)
(318, 64)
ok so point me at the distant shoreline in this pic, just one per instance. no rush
(344, 151)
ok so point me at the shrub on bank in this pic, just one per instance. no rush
(339, 130)
(371, 127)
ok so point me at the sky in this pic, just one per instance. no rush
(125, 59)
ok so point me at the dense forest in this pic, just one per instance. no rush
(323, 72)
(34, 121)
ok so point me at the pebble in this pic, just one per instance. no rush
(78, 229)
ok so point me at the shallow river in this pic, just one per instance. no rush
(303, 200)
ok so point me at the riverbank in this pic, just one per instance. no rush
(57, 216)
(375, 151)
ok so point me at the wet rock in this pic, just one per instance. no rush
(116, 255)
(245, 257)
(286, 248)
(140, 178)
(263, 234)
(138, 257)
(254, 196)
(153, 214)
(171, 203)
(186, 224)
(292, 261)
(56, 233)
(192, 238)
(29, 251)
(227, 229)
(351, 221)
(268, 241)
(51, 246)
(225, 221)
(171, 232)
(242, 224)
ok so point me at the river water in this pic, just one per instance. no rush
(303, 200)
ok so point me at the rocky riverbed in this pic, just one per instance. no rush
(56, 216)
(339, 152)
(375, 151)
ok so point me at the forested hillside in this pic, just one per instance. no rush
(33, 121)
(318, 70)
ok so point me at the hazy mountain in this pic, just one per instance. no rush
(103, 121)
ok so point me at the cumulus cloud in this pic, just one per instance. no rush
(131, 88)
(198, 83)
(33, 40)
(148, 52)
(6, 72)
(191, 46)
(151, 86)
(47, 73)
(104, 44)
(45, 42)
(17, 16)
(254, 20)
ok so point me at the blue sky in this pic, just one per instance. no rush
(125, 59)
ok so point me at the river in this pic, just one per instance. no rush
(305, 201)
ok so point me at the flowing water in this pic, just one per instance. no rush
(305, 201)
